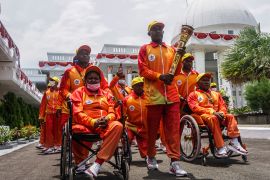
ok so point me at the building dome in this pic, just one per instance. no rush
(202, 13)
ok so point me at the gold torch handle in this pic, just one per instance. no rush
(186, 32)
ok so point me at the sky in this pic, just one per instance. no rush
(39, 26)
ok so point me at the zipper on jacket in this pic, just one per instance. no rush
(165, 90)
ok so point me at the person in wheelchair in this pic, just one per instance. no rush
(93, 113)
(134, 107)
(211, 108)
(186, 81)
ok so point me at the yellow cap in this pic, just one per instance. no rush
(187, 55)
(56, 79)
(213, 84)
(49, 85)
(155, 23)
(202, 75)
(136, 80)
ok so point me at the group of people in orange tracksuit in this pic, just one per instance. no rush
(153, 105)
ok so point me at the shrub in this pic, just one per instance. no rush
(258, 95)
(4, 134)
(241, 110)
(29, 131)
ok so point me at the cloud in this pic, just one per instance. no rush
(77, 24)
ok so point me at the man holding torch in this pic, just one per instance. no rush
(155, 65)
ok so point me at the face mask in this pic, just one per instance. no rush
(93, 87)
(214, 89)
(52, 83)
(122, 82)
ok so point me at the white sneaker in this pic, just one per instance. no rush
(237, 148)
(80, 169)
(49, 151)
(151, 163)
(222, 152)
(93, 170)
(176, 169)
(39, 146)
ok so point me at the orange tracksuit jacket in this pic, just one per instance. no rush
(153, 61)
(186, 83)
(117, 90)
(134, 108)
(204, 104)
(87, 108)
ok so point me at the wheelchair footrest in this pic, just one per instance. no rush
(86, 137)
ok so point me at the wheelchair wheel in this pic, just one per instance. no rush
(125, 169)
(190, 142)
(126, 148)
(64, 155)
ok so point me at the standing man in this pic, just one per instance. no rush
(155, 60)
(186, 81)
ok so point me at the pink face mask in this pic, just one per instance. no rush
(93, 87)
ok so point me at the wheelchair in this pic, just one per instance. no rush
(192, 132)
(122, 155)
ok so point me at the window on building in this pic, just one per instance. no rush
(240, 93)
(230, 32)
(213, 32)
(234, 93)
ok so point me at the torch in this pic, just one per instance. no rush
(185, 34)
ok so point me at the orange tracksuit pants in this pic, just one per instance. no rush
(213, 124)
(110, 136)
(42, 134)
(50, 132)
(141, 141)
(170, 115)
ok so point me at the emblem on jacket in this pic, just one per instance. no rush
(76, 81)
(179, 82)
(131, 108)
(48, 97)
(151, 57)
(88, 101)
(200, 98)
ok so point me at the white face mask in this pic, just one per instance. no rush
(122, 82)
(93, 87)
(214, 89)
(52, 83)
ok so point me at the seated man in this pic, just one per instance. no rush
(93, 113)
(210, 106)
(134, 106)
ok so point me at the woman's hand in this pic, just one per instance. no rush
(101, 123)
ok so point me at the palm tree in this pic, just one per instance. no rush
(248, 59)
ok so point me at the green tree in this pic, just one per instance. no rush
(258, 95)
(249, 58)
(26, 117)
(11, 111)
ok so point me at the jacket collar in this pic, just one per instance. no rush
(92, 94)
(153, 44)
(136, 96)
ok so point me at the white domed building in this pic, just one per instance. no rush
(217, 24)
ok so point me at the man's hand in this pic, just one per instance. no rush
(181, 51)
(120, 73)
(166, 78)
(219, 115)
(41, 121)
(182, 99)
(101, 123)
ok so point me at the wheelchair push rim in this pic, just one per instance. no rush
(190, 142)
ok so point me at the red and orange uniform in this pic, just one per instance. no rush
(49, 106)
(118, 92)
(134, 107)
(204, 104)
(87, 108)
(162, 100)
